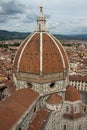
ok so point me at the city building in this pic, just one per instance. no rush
(44, 99)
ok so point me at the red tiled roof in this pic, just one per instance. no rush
(15, 106)
(72, 94)
(39, 120)
(78, 78)
(52, 51)
(54, 99)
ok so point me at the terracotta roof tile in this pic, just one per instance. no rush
(66, 60)
(15, 106)
(19, 51)
(72, 94)
(39, 120)
(78, 78)
(51, 54)
(54, 99)
(52, 51)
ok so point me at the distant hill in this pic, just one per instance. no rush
(71, 37)
(7, 35)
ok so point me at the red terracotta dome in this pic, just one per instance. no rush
(72, 94)
(54, 99)
(41, 53)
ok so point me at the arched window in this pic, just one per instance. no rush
(64, 127)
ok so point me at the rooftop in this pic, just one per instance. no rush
(15, 106)
(54, 99)
(72, 94)
(39, 120)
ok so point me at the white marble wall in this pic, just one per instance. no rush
(46, 89)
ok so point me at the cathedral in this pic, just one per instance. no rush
(44, 98)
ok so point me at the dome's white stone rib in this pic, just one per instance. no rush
(18, 65)
(41, 53)
(58, 50)
(62, 48)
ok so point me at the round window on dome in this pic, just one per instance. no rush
(29, 85)
(52, 85)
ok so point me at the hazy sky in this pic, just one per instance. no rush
(63, 16)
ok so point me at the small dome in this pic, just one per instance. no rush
(72, 94)
(54, 99)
